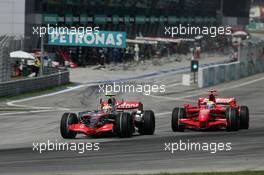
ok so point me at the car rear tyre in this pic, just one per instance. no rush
(232, 119)
(244, 117)
(177, 114)
(67, 120)
(124, 125)
(148, 124)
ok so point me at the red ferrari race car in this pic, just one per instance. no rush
(211, 113)
(112, 118)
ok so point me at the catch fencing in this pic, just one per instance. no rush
(51, 77)
(7, 45)
(251, 63)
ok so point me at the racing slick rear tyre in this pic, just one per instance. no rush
(244, 117)
(232, 119)
(177, 114)
(124, 127)
(148, 125)
(66, 120)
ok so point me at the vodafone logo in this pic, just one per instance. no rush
(128, 105)
(218, 100)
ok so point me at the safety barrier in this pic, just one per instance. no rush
(251, 56)
(217, 74)
(16, 87)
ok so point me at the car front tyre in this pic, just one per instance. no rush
(232, 119)
(244, 117)
(124, 125)
(68, 119)
(177, 114)
(148, 124)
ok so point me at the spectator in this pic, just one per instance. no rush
(136, 56)
(197, 52)
(36, 67)
(115, 55)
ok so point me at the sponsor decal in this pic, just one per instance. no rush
(128, 105)
(91, 39)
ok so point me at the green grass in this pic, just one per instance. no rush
(208, 173)
(220, 173)
(11, 109)
(35, 93)
(213, 173)
(256, 31)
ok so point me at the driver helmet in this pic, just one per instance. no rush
(110, 101)
(138, 113)
(107, 108)
(210, 105)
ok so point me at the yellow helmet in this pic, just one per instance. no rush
(210, 105)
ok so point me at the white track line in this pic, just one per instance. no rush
(39, 109)
(226, 88)
(45, 109)
(12, 103)
(202, 93)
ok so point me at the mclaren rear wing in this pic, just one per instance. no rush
(126, 105)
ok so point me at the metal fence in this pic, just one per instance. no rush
(52, 77)
(5, 68)
(252, 54)
(7, 45)
(251, 62)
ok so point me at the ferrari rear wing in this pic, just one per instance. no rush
(218, 101)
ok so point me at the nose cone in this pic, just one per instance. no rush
(203, 115)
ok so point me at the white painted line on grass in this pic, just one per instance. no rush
(12, 103)
(183, 98)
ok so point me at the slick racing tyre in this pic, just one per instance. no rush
(148, 124)
(67, 120)
(244, 117)
(177, 114)
(232, 119)
(124, 125)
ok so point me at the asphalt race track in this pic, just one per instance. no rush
(138, 154)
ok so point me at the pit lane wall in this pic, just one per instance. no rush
(16, 87)
(222, 73)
